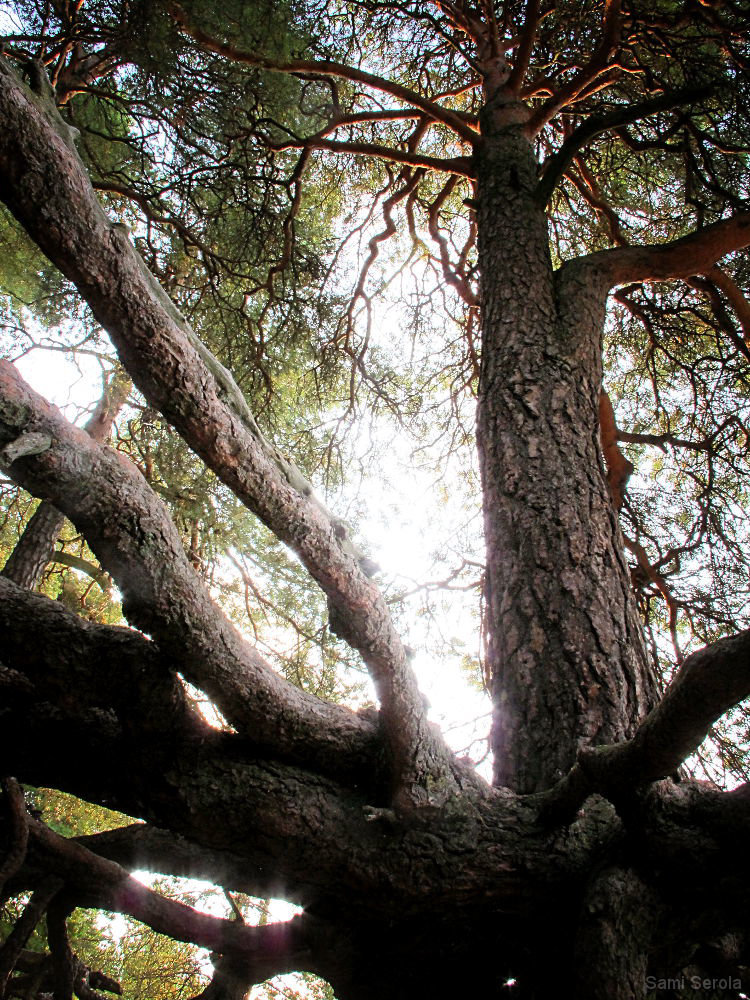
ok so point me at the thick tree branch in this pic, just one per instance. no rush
(693, 254)
(149, 848)
(737, 299)
(106, 695)
(39, 165)
(709, 683)
(63, 959)
(90, 880)
(14, 850)
(35, 548)
(133, 536)
(56, 652)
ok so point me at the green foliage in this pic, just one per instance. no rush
(70, 816)
(28, 279)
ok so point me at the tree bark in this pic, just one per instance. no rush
(36, 546)
(568, 663)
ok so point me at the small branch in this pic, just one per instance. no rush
(14, 944)
(662, 440)
(526, 46)
(146, 206)
(461, 165)
(17, 830)
(657, 578)
(619, 469)
(327, 68)
(594, 68)
(723, 318)
(84, 566)
(452, 277)
(593, 125)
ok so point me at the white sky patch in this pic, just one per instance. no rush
(71, 385)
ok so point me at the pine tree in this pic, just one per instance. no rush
(577, 176)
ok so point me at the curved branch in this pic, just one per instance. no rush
(96, 573)
(35, 548)
(726, 284)
(709, 683)
(693, 254)
(92, 881)
(619, 468)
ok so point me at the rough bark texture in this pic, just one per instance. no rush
(198, 396)
(35, 548)
(416, 877)
(568, 664)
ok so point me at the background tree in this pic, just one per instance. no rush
(538, 159)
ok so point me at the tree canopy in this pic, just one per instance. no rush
(501, 246)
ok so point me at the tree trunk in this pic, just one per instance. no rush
(567, 659)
